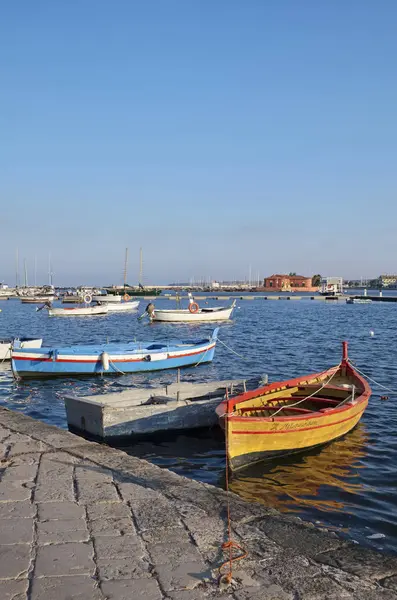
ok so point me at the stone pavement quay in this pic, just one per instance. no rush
(82, 521)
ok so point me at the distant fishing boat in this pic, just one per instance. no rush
(26, 342)
(134, 291)
(358, 301)
(37, 299)
(79, 311)
(114, 358)
(192, 314)
(294, 415)
(123, 307)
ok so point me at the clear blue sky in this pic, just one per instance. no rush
(216, 134)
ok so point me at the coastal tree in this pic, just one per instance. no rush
(316, 280)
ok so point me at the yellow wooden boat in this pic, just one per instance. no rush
(292, 416)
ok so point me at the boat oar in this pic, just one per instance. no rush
(142, 316)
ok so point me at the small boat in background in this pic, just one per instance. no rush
(107, 298)
(123, 307)
(294, 415)
(79, 311)
(192, 314)
(25, 342)
(37, 299)
(113, 358)
(359, 301)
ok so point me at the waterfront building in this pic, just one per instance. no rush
(387, 280)
(288, 283)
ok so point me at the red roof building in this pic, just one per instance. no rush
(288, 283)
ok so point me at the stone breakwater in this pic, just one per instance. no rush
(81, 520)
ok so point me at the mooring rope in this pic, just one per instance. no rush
(374, 381)
(231, 350)
(229, 544)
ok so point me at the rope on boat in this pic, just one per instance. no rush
(115, 368)
(231, 350)
(313, 394)
(373, 380)
(229, 545)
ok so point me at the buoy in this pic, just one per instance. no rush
(105, 361)
(193, 307)
(126, 297)
(372, 333)
(87, 298)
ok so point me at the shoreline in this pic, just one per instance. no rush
(78, 515)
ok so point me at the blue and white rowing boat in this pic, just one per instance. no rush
(107, 359)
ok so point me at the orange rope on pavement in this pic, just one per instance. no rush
(230, 544)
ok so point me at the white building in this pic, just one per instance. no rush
(331, 286)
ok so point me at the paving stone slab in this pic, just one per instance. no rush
(112, 527)
(118, 547)
(48, 511)
(14, 491)
(108, 510)
(65, 588)
(187, 575)
(123, 568)
(64, 559)
(173, 554)
(133, 589)
(168, 535)
(20, 473)
(266, 592)
(16, 531)
(61, 531)
(89, 492)
(17, 510)
(14, 561)
(155, 515)
(363, 562)
(13, 589)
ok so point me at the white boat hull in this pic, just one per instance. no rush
(37, 299)
(107, 298)
(78, 311)
(6, 346)
(185, 316)
(124, 307)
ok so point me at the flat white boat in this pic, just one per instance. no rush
(192, 314)
(78, 311)
(358, 301)
(123, 307)
(25, 342)
(37, 299)
(107, 298)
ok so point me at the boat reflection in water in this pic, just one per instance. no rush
(321, 480)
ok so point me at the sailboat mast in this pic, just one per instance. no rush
(49, 269)
(35, 270)
(125, 267)
(26, 273)
(140, 266)
(17, 270)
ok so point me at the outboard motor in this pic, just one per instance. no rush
(150, 310)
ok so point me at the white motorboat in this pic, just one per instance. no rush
(123, 307)
(25, 342)
(37, 299)
(193, 314)
(107, 298)
(79, 311)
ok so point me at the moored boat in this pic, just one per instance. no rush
(37, 299)
(294, 415)
(113, 358)
(107, 298)
(123, 307)
(25, 342)
(359, 301)
(79, 311)
(193, 314)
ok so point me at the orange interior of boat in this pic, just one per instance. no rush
(294, 400)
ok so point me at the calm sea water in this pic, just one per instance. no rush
(350, 485)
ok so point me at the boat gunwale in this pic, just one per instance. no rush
(230, 404)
